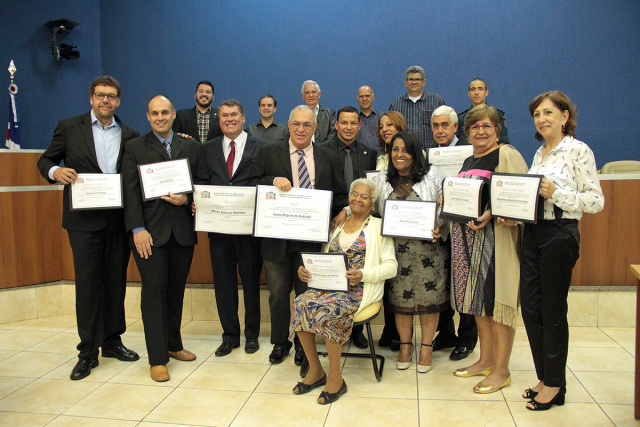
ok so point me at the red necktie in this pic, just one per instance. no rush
(231, 158)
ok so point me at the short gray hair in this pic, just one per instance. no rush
(368, 183)
(445, 109)
(310, 82)
(303, 107)
(412, 69)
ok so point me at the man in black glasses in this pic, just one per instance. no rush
(94, 143)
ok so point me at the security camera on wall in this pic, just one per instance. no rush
(62, 26)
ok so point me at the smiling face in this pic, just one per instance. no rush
(387, 129)
(104, 108)
(443, 130)
(549, 120)
(161, 114)
(301, 128)
(483, 137)
(415, 83)
(401, 159)
(360, 200)
(267, 108)
(311, 95)
(204, 96)
(348, 126)
(231, 121)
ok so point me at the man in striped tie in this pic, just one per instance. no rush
(294, 163)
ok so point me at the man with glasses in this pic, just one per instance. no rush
(477, 94)
(94, 143)
(200, 122)
(324, 117)
(294, 163)
(417, 105)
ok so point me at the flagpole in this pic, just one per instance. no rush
(13, 127)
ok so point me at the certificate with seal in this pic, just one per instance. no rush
(413, 219)
(97, 191)
(515, 196)
(449, 160)
(160, 179)
(224, 209)
(297, 214)
(328, 271)
(371, 175)
(461, 199)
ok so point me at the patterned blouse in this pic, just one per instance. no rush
(571, 166)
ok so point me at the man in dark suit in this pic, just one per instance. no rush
(325, 117)
(94, 143)
(230, 160)
(200, 122)
(444, 125)
(357, 159)
(277, 164)
(162, 235)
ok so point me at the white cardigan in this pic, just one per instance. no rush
(379, 263)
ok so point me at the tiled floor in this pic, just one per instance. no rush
(36, 358)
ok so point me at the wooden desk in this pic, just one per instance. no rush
(635, 269)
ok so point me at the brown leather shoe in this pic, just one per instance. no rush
(159, 373)
(184, 355)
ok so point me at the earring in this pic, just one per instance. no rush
(563, 131)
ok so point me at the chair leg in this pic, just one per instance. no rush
(377, 370)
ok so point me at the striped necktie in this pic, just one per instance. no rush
(167, 146)
(303, 174)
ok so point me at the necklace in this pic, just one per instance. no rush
(353, 229)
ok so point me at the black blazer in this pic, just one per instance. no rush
(160, 218)
(366, 156)
(217, 165)
(273, 161)
(73, 142)
(326, 124)
(187, 122)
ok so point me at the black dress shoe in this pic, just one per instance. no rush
(298, 358)
(279, 353)
(460, 353)
(395, 345)
(359, 340)
(251, 346)
(225, 348)
(442, 343)
(384, 341)
(120, 352)
(83, 368)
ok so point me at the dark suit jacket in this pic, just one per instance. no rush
(366, 156)
(217, 165)
(326, 124)
(273, 161)
(73, 142)
(160, 218)
(187, 122)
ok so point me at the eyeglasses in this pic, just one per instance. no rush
(443, 125)
(485, 127)
(306, 125)
(101, 96)
(362, 196)
(414, 80)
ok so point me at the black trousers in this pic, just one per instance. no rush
(230, 254)
(100, 260)
(164, 275)
(389, 331)
(467, 329)
(550, 250)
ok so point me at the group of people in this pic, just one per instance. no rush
(483, 269)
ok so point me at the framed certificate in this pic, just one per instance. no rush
(159, 179)
(413, 219)
(449, 160)
(297, 214)
(515, 196)
(224, 209)
(96, 191)
(371, 175)
(461, 198)
(328, 271)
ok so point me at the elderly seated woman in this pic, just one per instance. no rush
(371, 260)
